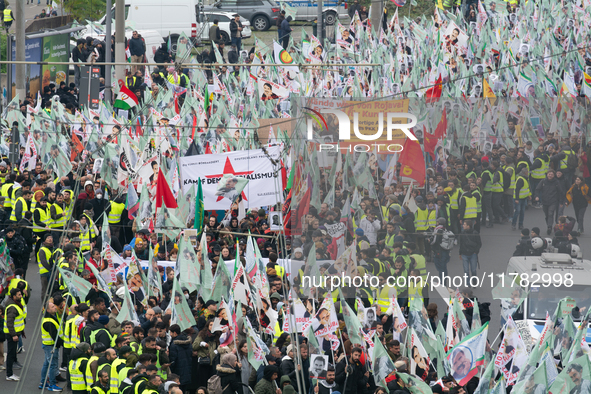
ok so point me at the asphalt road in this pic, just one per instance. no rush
(498, 246)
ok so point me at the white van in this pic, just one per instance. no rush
(169, 18)
(569, 277)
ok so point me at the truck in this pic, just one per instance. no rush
(551, 277)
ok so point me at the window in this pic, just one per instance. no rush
(249, 3)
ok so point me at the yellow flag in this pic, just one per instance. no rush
(488, 93)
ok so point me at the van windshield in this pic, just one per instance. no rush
(545, 299)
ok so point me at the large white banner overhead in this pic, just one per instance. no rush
(262, 189)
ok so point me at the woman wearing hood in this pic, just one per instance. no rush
(229, 372)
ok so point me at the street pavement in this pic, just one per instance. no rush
(498, 247)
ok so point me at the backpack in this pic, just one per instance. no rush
(214, 385)
(447, 240)
(572, 162)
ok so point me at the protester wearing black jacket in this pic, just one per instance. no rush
(180, 354)
(229, 373)
(352, 375)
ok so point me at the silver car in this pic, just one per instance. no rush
(262, 14)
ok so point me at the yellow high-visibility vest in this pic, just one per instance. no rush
(19, 321)
(540, 173)
(7, 15)
(89, 376)
(44, 217)
(61, 222)
(471, 207)
(115, 212)
(24, 209)
(46, 338)
(76, 375)
(114, 382)
(498, 187)
(48, 257)
(4, 192)
(421, 219)
(524, 192)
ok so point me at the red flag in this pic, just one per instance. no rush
(429, 143)
(77, 147)
(434, 93)
(432, 139)
(441, 130)
(163, 192)
(412, 162)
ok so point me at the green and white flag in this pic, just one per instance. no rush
(78, 286)
(382, 364)
(188, 266)
(181, 313)
(127, 311)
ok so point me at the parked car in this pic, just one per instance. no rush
(262, 14)
(307, 10)
(206, 21)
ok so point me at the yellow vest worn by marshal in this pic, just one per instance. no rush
(421, 219)
(71, 337)
(471, 207)
(44, 217)
(87, 236)
(384, 296)
(524, 192)
(498, 186)
(115, 382)
(61, 222)
(4, 192)
(420, 264)
(432, 221)
(453, 199)
(114, 216)
(48, 258)
(19, 321)
(25, 208)
(46, 338)
(88, 372)
(76, 375)
(540, 173)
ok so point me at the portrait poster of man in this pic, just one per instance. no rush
(318, 364)
(465, 358)
(370, 317)
(270, 90)
(275, 221)
(455, 38)
(419, 358)
(230, 187)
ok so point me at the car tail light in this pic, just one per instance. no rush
(275, 9)
(193, 29)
